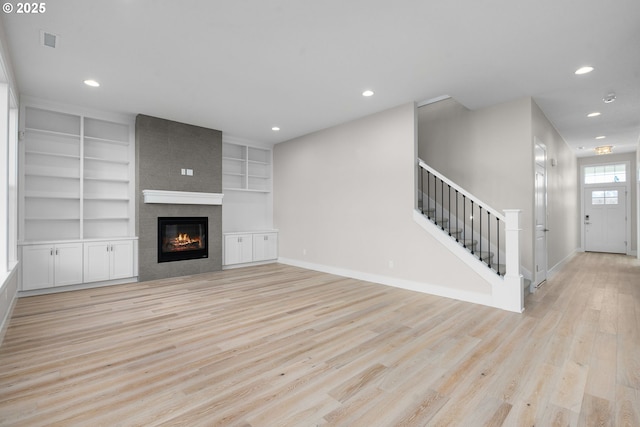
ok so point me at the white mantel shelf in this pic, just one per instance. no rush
(182, 197)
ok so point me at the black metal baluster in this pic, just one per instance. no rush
(421, 189)
(464, 221)
(489, 230)
(428, 194)
(480, 221)
(442, 204)
(457, 217)
(498, 237)
(449, 202)
(472, 227)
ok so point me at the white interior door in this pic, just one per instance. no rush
(540, 273)
(605, 219)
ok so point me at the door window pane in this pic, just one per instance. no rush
(609, 197)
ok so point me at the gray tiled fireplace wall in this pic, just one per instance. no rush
(163, 149)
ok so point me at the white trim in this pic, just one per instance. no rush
(425, 288)
(433, 100)
(182, 197)
(627, 187)
(556, 268)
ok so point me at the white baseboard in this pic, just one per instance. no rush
(79, 286)
(426, 288)
(556, 268)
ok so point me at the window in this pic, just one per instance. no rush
(605, 174)
(609, 197)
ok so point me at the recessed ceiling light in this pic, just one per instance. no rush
(275, 128)
(600, 137)
(367, 93)
(92, 83)
(580, 148)
(609, 98)
(584, 70)
(594, 114)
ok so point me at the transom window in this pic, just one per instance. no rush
(605, 174)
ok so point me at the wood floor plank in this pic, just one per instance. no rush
(280, 345)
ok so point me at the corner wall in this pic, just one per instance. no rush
(163, 148)
(344, 200)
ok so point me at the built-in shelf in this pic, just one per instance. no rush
(246, 168)
(78, 171)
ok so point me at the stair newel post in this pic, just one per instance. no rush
(513, 295)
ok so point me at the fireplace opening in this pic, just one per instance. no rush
(181, 238)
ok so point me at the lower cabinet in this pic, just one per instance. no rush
(108, 260)
(238, 249)
(46, 266)
(242, 248)
(265, 246)
(62, 264)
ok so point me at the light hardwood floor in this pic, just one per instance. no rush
(281, 346)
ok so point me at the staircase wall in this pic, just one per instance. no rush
(344, 200)
(489, 152)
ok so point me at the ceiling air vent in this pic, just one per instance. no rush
(48, 39)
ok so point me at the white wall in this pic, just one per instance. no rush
(563, 191)
(344, 201)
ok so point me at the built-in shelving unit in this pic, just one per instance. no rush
(77, 177)
(107, 179)
(77, 185)
(246, 168)
(52, 180)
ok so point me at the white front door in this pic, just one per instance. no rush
(540, 273)
(605, 219)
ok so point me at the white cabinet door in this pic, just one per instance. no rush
(121, 259)
(37, 267)
(46, 266)
(68, 264)
(238, 249)
(96, 261)
(265, 246)
(108, 260)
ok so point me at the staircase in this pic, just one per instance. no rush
(484, 238)
(458, 234)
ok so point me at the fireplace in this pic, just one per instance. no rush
(181, 238)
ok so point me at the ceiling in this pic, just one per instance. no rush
(245, 66)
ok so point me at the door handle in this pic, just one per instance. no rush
(545, 230)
